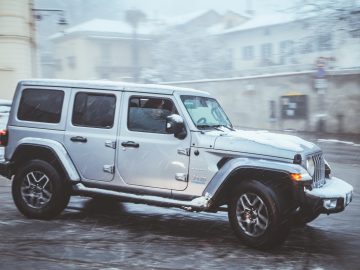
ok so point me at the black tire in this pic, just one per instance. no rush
(266, 224)
(39, 191)
(304, 216)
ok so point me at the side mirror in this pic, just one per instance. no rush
(175, 125)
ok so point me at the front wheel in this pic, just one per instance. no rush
(257, 214)
(39, 191)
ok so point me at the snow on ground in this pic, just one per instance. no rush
(337, 141)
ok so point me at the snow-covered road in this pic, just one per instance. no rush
(99, 235)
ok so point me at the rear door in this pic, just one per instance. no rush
(90, 136)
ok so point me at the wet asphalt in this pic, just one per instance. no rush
(93, 234)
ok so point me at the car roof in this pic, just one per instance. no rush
(112, 85)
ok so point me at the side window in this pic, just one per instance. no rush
(94, 110)
(147, 114)
(41, 105)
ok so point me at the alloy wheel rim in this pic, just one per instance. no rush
(36, 189)
(252, 214)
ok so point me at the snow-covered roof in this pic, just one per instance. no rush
(118, 28)
(185, 18)
(262, 21)
(105, 27)
(230, 20)
(188, 17)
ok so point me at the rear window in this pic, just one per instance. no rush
(41, 105)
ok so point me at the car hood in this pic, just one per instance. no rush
(264, 143)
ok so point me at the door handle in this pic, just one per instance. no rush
(130, 144)
(78, 139)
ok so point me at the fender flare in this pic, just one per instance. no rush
(57, 149)
(223, 175)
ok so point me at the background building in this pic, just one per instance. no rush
(283, 43)
(17, 44)
(110, 45)
(287, 74)
(99, 49)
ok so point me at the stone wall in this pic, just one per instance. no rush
(247, 100)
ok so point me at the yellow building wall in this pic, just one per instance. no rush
(17, 47)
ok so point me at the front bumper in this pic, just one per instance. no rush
(332, 197)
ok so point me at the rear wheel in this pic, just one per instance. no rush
(258, 215)
(39, 191)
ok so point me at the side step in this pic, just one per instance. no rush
(198, 204)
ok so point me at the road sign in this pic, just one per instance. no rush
(321, 83)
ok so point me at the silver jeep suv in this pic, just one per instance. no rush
(164, 146)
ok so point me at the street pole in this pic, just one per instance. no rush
(135, 54)
(321, 86)
(134, 17)
(38, 14)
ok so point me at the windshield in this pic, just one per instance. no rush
(205, 112)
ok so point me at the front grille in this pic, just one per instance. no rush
(319, 174)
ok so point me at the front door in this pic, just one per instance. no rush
(147, 155)
(90, 137)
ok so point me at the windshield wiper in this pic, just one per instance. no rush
(228, 127)
(204, 126)
(217, 127)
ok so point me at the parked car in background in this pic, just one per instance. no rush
(5, 106)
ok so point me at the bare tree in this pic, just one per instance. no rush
(330, 15)
(189, 55)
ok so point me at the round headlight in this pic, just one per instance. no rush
(310, 166)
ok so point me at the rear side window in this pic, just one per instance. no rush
(41, 105)
(94, 110)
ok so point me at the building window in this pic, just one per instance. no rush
(306, 46)
(105, 54)
(325, 42)
(248, 53)
(286, 50)
(354, 23)
(71, 60)
(58, 64)
(305, 25)
(41, 105)
(94, 110)
(229, 59)
(266, 52)
(272, 115)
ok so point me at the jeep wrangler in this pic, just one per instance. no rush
(163, 146)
